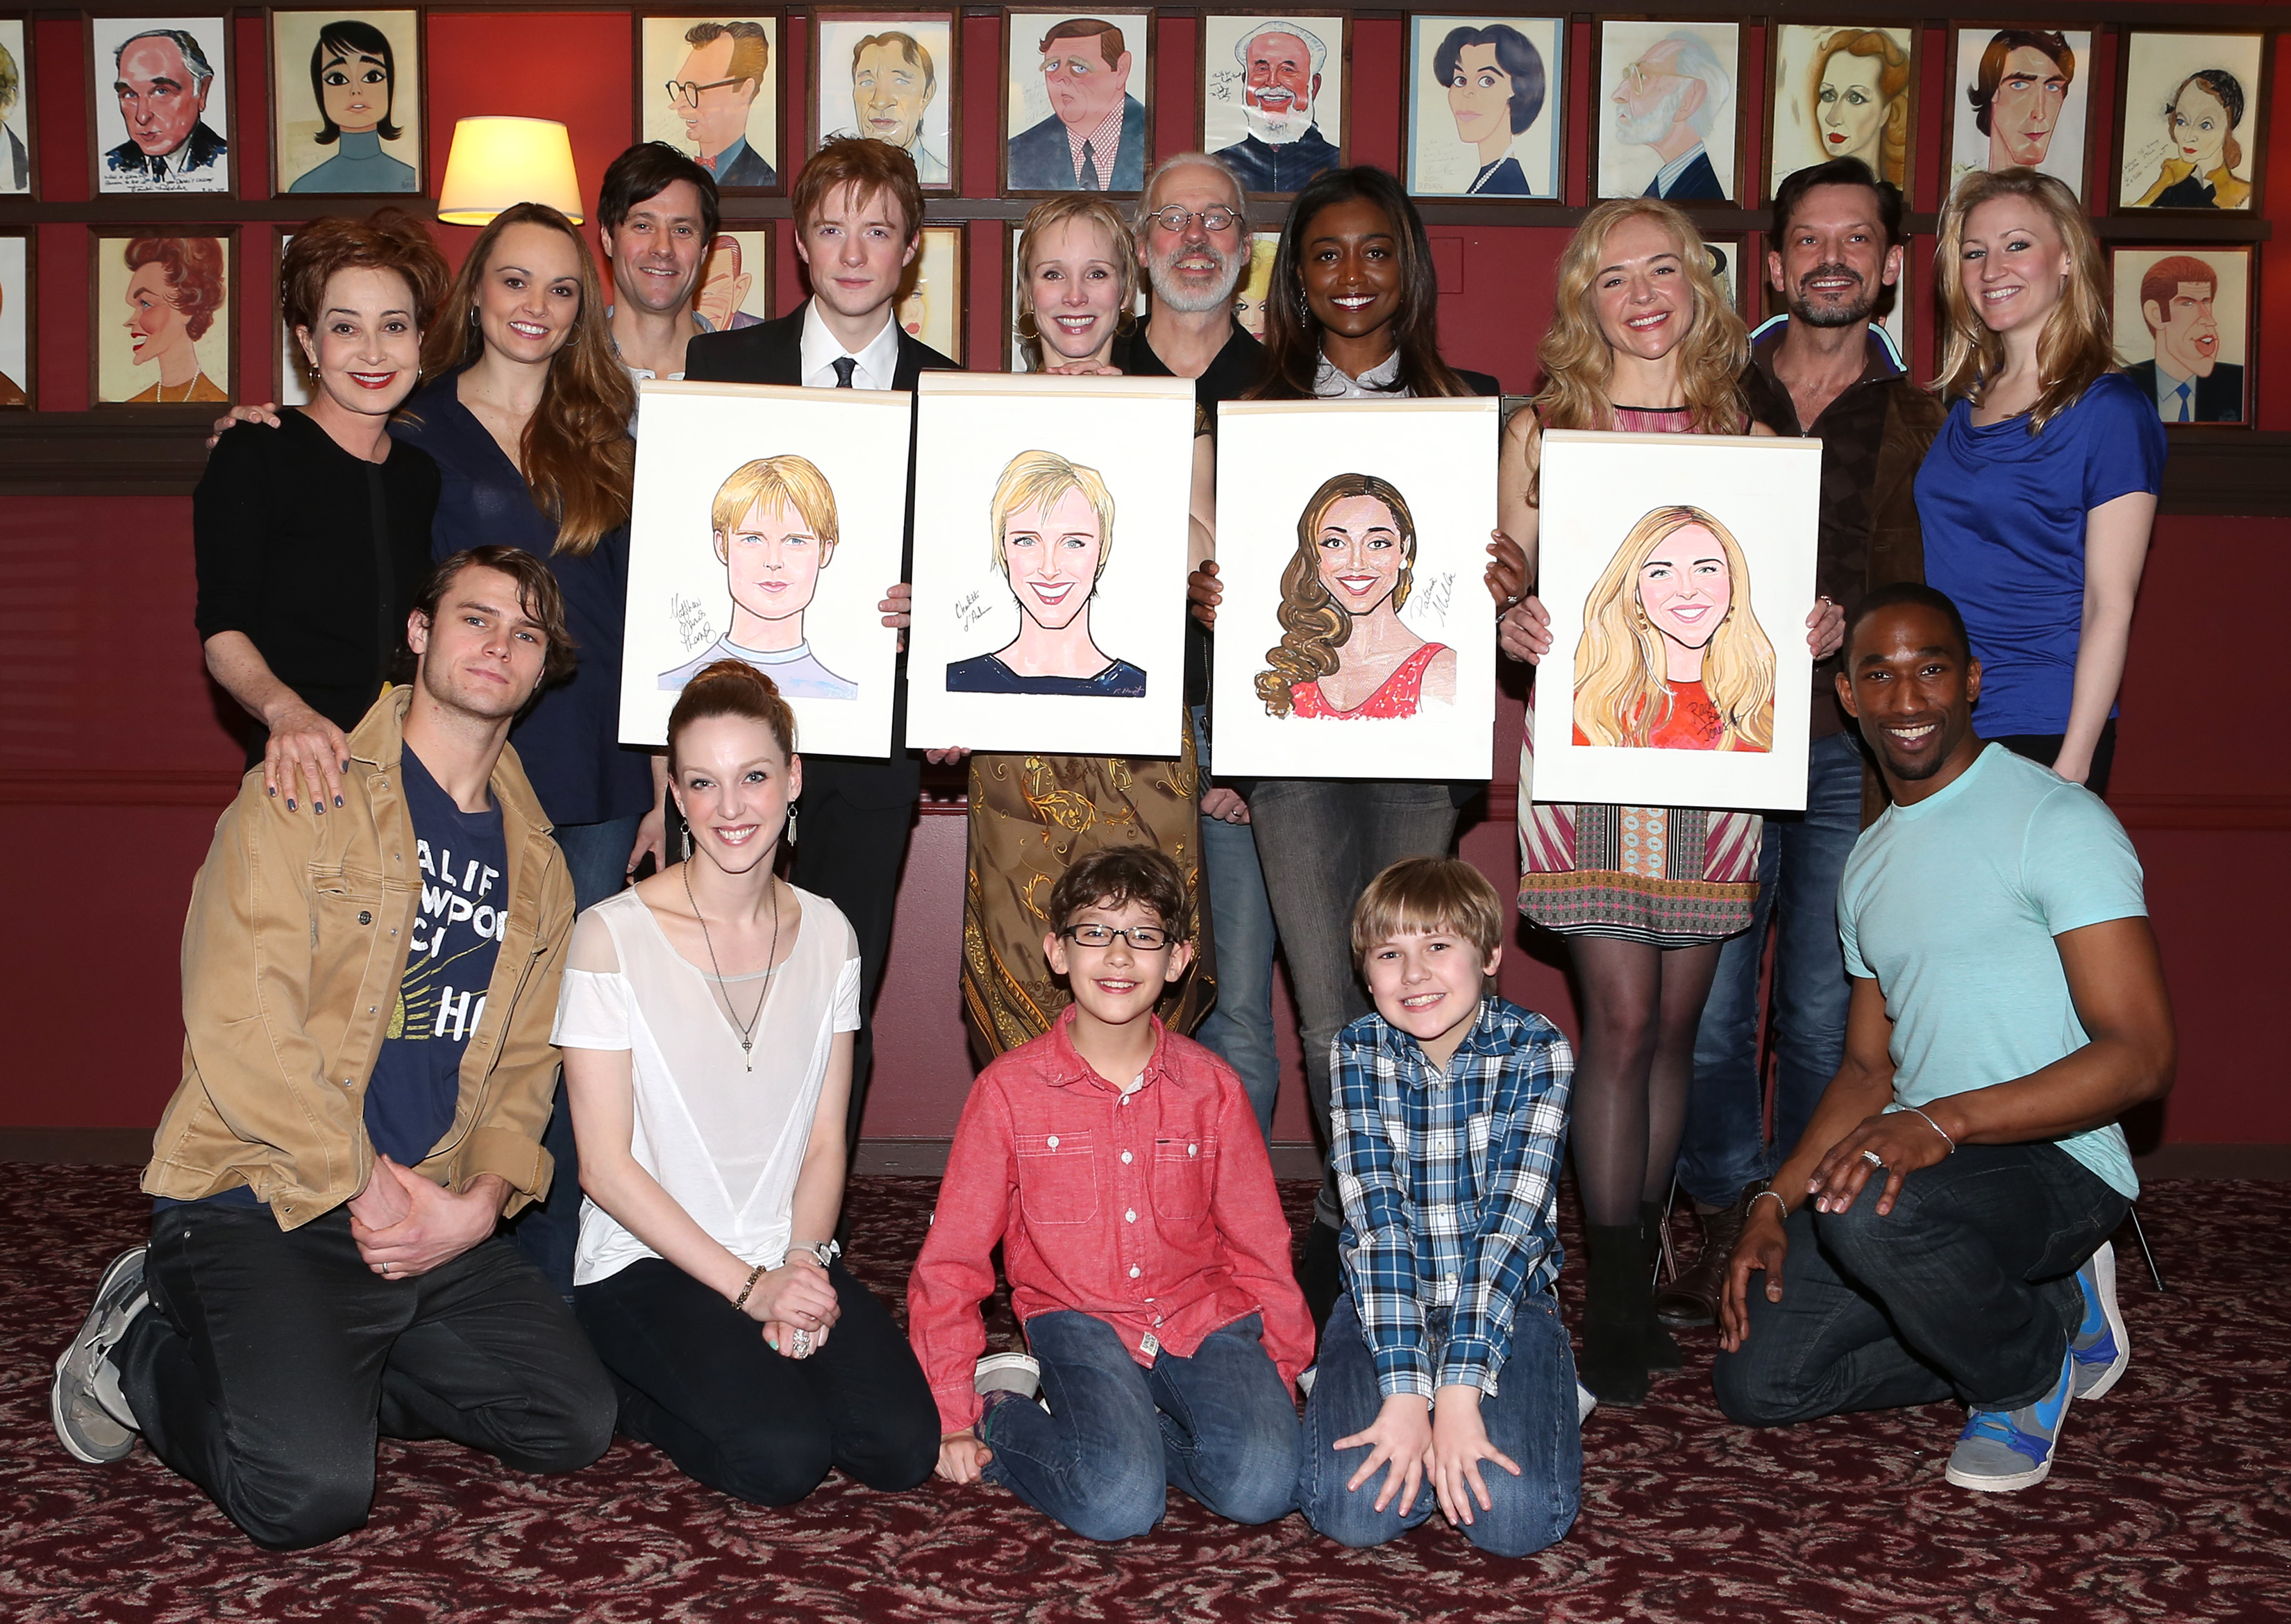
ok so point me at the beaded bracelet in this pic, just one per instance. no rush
(1779, 1202)
(754, 1274)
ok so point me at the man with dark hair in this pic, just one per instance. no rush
(162, 79)
(1941, 1228)
(893, 84)
(367, 999)
(715, 93)
(858, 208)
(2188, 381)
(656, 214)
(1094, 140)
(1824, 370)
(2018, 92)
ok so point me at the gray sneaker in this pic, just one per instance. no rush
(2101, 1347)
(90, 1414)
(1009, 1372)
(2001, 1451)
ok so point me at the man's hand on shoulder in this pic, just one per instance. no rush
(267, 415)
(434, 1225)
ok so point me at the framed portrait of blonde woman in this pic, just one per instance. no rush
(1842, 89)
(166, 322)
(930, 303)
(1677, 570)
(2191, 123)
(1356, 639)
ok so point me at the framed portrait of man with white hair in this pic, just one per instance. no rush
(1274, 92)
(161, 94)
(1670, 120)
(712, 88)
(17, 174)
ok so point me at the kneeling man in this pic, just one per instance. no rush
(1942, 1228)
(367, 995)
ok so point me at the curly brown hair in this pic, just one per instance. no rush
(194, 268)
(389, 239)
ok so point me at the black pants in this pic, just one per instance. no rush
(696, 1379)
(2046, 748)
(274, 1358)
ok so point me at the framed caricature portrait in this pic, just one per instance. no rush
(294, 380)
(2184, 321)
(16, 324)
(1077, 95)
(1256, 284)
(18, 173)
(1843, 91)
(159, 92)
(1274, 97)
(164, 318)
(710, 87)
(2020, 98)
(2190, 130)
(1738, 280)
(736, 280)
(931, 304)
(1485, 111)
(890, 75)
(346, 102)
(1669, 111)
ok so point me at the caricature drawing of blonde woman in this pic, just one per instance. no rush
(1672, 656)
(1344, 651)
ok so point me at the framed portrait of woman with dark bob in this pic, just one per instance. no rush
(2190, 132)
(1485, 110)
(346, 102)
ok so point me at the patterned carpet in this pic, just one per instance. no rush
(2171, 1499)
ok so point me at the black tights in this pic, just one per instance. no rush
(1641, 1006)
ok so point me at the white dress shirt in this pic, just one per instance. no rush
(878, 362)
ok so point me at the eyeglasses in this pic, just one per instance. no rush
(1145, 938)
(1173, 218)
(684, 91)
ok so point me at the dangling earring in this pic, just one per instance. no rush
(1304, 306)
(789, 838)
(1028, 328)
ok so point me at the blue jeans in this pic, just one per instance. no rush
(1531, 1417)
(1967, 1290)
(1238, 1028)
(1220, 1425)
(1804, 859)
(548, 1231)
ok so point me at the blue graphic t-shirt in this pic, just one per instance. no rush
(457, 931)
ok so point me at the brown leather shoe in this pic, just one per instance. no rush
(1692, 1299)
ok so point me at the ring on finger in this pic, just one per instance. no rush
(1874, 1160)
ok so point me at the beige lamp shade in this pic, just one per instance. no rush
(499, 163)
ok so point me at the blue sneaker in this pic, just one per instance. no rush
(2100, 1345)
(2000, 1450)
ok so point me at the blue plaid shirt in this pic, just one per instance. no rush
(1450, 1182)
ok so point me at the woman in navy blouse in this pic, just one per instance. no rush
(2037, 496)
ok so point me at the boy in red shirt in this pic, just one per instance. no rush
(1121, 1168)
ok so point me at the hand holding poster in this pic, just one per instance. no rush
(1678, 571)
(768, 524)
(1356, 639)
(1051, 529)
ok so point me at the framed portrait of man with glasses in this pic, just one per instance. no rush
(712, 87)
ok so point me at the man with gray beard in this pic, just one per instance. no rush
(1281, 81)
(1670, 100)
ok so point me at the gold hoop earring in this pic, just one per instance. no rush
(1028, 328)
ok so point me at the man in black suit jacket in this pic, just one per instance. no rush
(858, 208)
(1086, 72)
(2218, 394)
(162, 81)
(2175, 302)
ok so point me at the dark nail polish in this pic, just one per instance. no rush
(274, 791)
(290, 803)
(338, 800)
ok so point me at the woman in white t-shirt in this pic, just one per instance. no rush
(706, 1019)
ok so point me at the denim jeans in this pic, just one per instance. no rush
(1967, 1290)
(1239, 1029)
(1799, 869)
(1531, 1417)
(1321, 840)
(1220, 1425)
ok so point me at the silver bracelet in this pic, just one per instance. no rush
(1936, 1127)
(1779, 1202)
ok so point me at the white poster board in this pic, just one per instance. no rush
(1690, 558)
(1369, 519)
(767, 584)
(1078, 645)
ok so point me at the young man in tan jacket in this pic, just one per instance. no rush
(367, 993)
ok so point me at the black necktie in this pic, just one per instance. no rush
(1089, 169)
(845, 365)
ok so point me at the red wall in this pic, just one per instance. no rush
(114, 760)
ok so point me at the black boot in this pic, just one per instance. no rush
(1613, 1364)
(1321, 1275)
(1657, 1345)
(1692, 1299)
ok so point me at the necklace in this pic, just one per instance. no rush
(748, 1031)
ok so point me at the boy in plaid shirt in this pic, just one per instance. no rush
(1444, 1365)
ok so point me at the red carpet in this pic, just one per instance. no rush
(2171, 1499)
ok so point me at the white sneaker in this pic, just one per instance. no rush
(1009, 1372)
(1306, 1377)
(1586, 1402)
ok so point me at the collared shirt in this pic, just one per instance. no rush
(820, 349)
(1105, 144)
(1450, 1180)
(1672, 172)
(1852, 429)
(2170, 405)
(642, 374)
(1153, 1211)
(1377, 383)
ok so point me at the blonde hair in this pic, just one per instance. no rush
(1121, 247)
(2075, 349)
(1313, 628)
(790, 482)
(1036, 479)
(1423, 895)
(1893, 84)
(1620, 694)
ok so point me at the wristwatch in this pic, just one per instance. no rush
(827, 1253)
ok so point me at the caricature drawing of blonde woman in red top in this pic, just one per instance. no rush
(1672, 656)
(1344, 651)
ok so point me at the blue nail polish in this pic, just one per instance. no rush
(290, 803)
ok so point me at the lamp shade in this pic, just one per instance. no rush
(499, 163)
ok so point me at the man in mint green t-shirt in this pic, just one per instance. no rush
(1942, 1230)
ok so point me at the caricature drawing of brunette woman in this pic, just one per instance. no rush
(1052, 523)
(1672, 656)
(354, 78)
(1344, 651)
